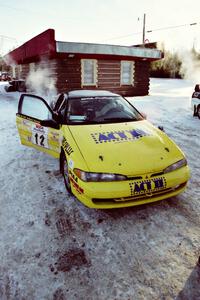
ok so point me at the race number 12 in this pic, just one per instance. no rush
(40, 136)
(41, 139)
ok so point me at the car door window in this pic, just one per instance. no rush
(34, 107)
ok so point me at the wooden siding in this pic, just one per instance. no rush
(23, 73)
(109, 78)
(141, 78)
(23, 70)
(68, 74)
(109, 74)
(50, 65)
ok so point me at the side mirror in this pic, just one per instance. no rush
(50, 123)
(59, 103)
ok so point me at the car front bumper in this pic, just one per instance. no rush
(107, 195)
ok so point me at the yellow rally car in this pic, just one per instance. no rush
(110, 156)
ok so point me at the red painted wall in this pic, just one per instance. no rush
(43, 44)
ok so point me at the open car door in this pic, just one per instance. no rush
(37, 126)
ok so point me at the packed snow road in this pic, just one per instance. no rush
(52, 247)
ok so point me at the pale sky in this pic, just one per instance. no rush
(103, 21)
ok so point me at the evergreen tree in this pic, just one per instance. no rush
(168, 67)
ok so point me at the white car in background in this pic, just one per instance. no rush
(195, 102)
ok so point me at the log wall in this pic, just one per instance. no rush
(108, 77)
(67, 75)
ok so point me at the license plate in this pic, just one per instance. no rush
(147, 186)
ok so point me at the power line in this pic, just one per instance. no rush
(153, 30)
(171, 27)
(122, 36)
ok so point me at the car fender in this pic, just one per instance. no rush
(69, 148)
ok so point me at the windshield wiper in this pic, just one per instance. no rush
(120, 119)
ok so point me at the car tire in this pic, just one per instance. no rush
(198, 111)
(65, 171)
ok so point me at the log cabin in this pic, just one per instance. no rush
(73, 66)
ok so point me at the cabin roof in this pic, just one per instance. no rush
(45, 45)
(104, 49)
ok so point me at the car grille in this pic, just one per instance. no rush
(147, 196)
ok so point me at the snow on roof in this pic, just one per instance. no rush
(90, 93)
(87, 48)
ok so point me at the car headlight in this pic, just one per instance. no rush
(179, 164)
(95, 177)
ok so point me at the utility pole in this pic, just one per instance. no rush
(144, 25)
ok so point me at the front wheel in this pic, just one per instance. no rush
(65, 172)
(198, 111)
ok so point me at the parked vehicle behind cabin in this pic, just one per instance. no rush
(4, 76)
(16, 85)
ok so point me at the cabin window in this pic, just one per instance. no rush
(89, 72)
(127, 72)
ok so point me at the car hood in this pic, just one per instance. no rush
(125, 148)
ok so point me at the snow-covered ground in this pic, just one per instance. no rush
(52, 247)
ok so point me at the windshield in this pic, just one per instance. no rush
(98, 110)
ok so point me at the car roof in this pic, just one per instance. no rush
(90, 93)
